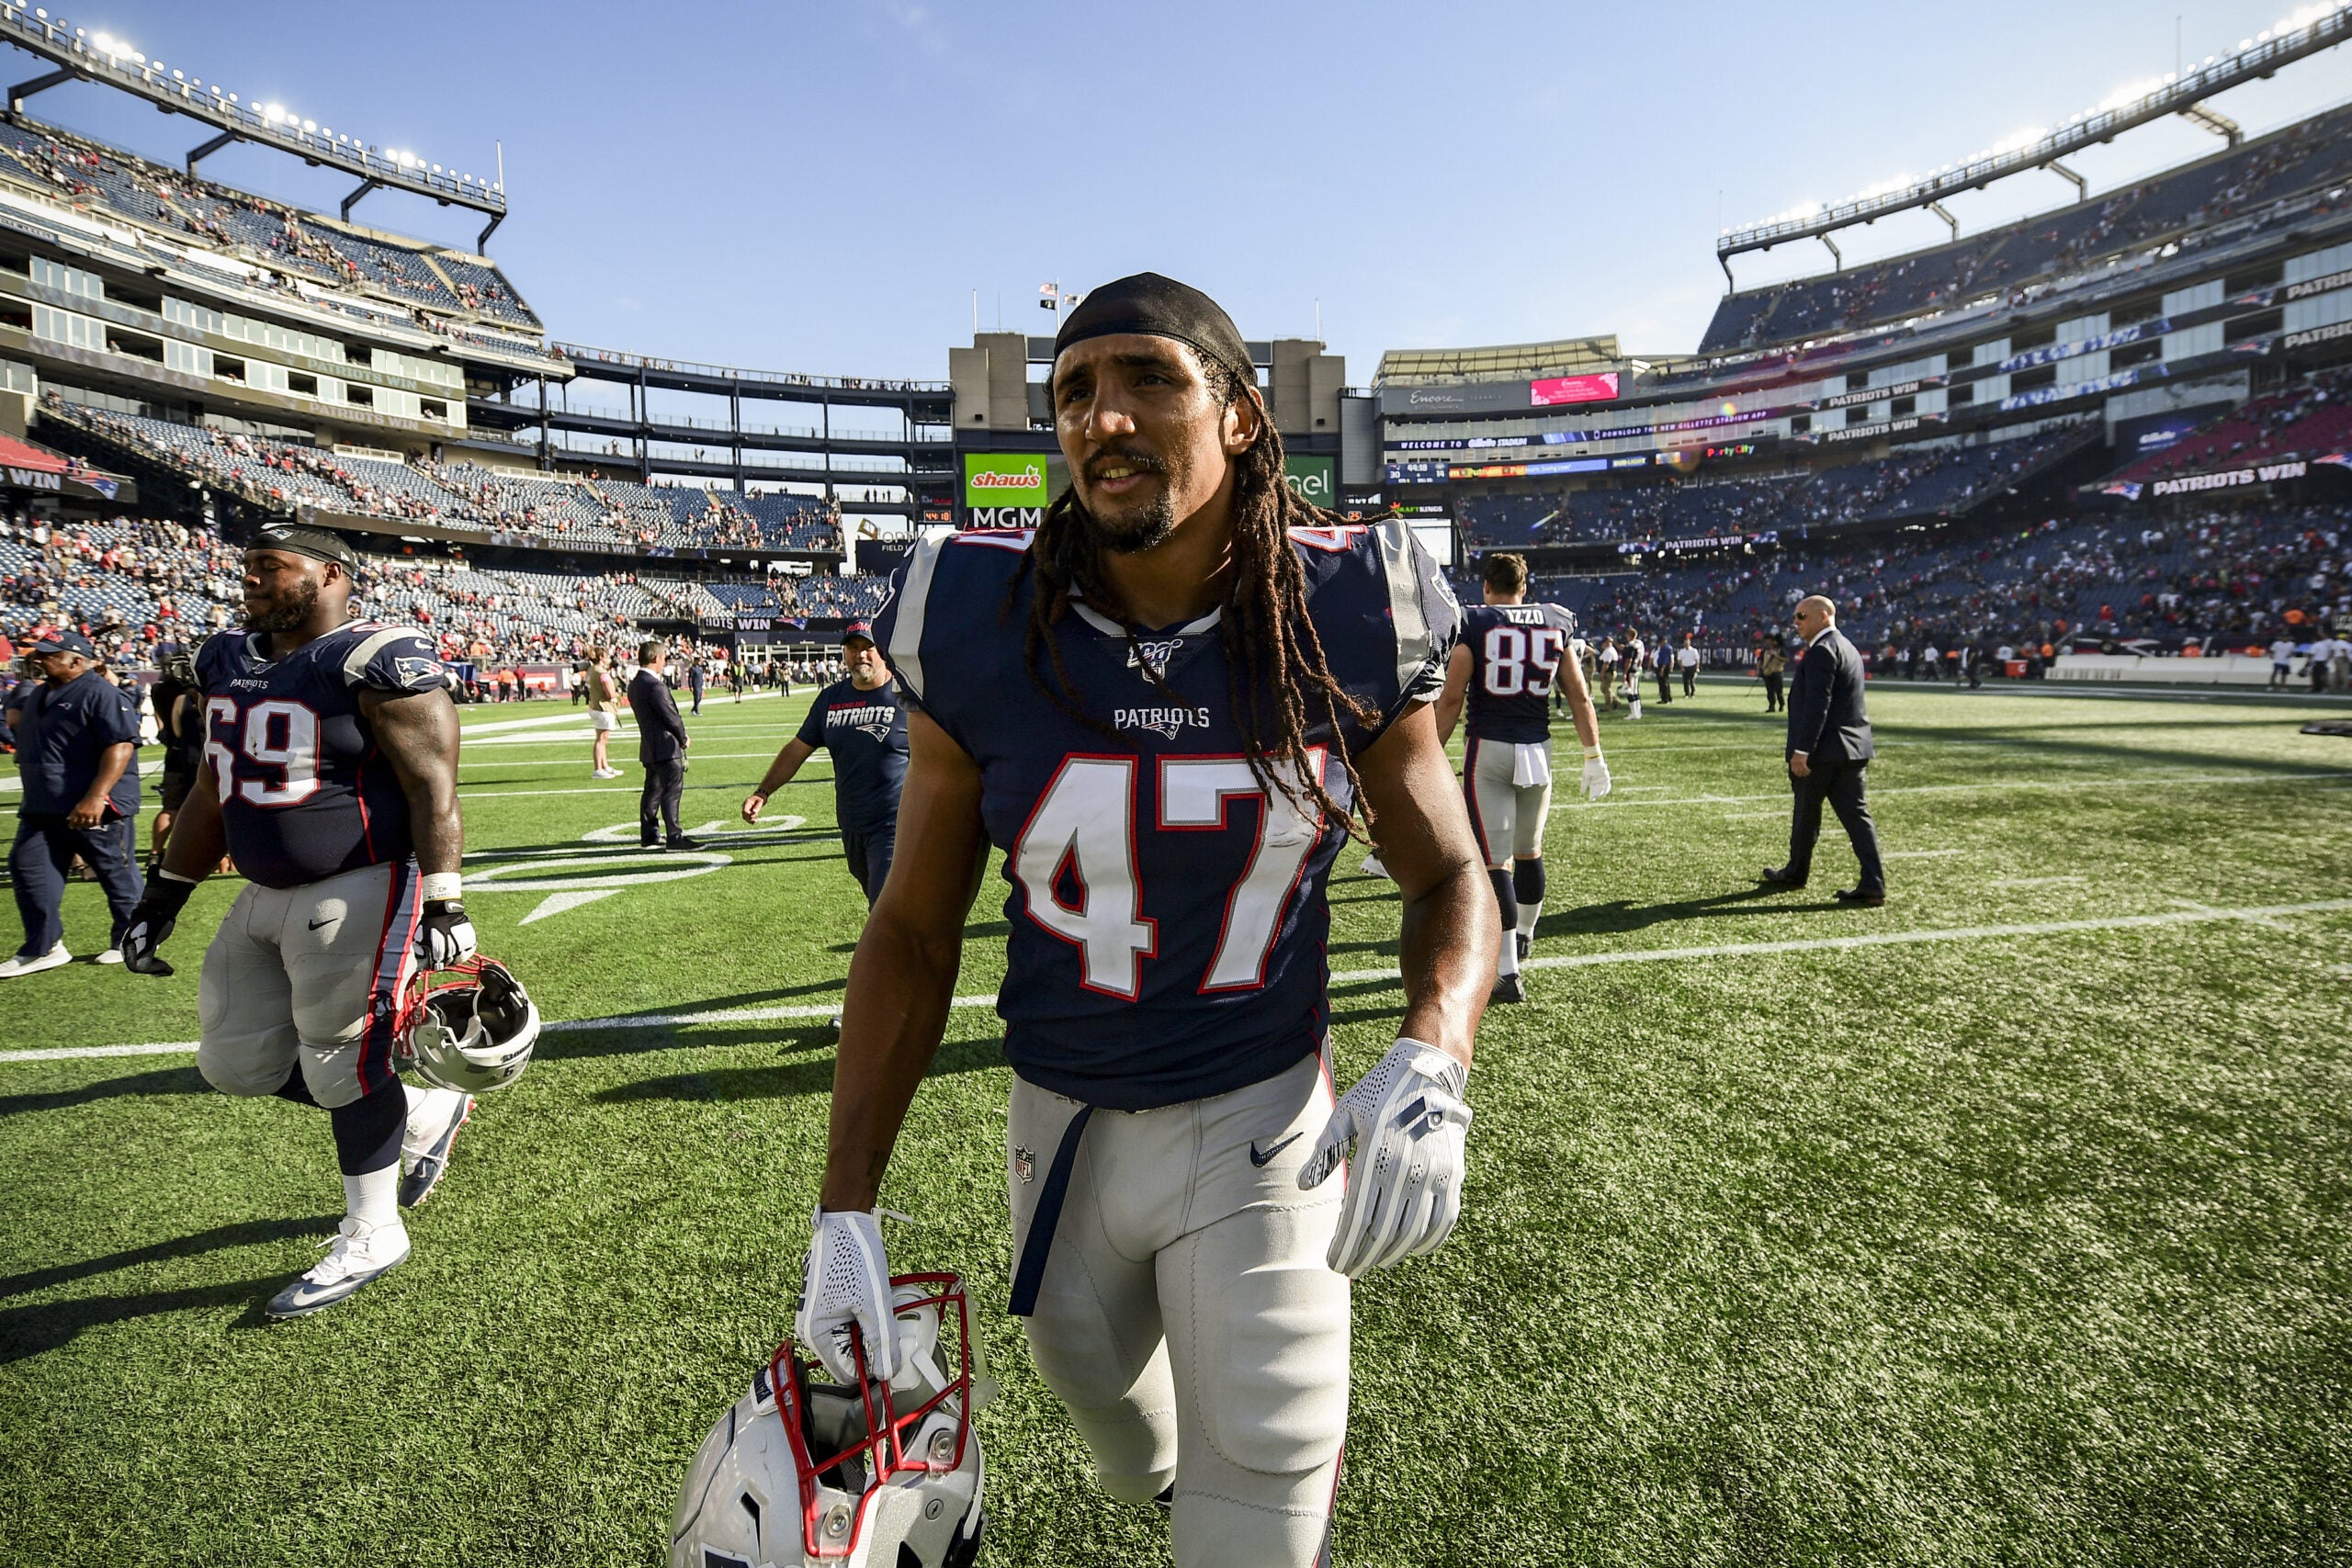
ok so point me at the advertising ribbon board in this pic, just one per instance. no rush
(1005, 490)
(1312, 479)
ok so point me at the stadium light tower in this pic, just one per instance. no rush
(107, 60)
(2307, 31)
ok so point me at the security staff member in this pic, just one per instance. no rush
(662, 743)
(1829, 750)
(77, 745)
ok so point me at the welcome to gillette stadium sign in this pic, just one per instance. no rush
(1005, 490)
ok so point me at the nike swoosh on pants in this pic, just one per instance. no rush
(1257, 1159)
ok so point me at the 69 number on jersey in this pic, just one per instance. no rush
(1085, 822)
(275, 735)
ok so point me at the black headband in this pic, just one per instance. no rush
(1159, 307)
(316, 542)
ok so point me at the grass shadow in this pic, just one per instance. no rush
(32, 1331)
(245, 1232)
(789, 1081)
(168, 1080)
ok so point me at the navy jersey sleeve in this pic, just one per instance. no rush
(941, 632)
(811, 732)
(393, 658)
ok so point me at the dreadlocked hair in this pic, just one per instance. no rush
(1277, 675)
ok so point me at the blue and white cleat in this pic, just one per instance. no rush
(431, 1133)
(356, 1254)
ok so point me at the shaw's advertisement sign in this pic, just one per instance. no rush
(1312, 481)
(1005, 490)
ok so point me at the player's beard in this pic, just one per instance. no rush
(293, 608)
(1146, 523)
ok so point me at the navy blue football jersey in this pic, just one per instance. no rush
(865, 734)
(1167, 919)
(304, 792)
(1515, 652)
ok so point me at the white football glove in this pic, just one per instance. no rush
(444, 937)
(1408, 1120)
(1595, 777)
(847, 1281)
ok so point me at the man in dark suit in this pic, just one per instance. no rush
(662, 743)
(1828, 751)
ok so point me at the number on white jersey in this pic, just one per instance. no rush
(1521, 658)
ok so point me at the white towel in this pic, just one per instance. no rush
(1530, 764)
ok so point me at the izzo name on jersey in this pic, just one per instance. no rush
(1163, 722)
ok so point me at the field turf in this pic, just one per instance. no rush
(2028, 1243)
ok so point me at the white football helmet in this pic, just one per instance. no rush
(799, 1473)
(472, 1033)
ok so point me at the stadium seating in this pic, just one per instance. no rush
(136, 585)
(577, 513)
(2311, 418)
(128, 187)
(2310, 158)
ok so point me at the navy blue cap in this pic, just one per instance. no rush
(858, 628)
(65, 641)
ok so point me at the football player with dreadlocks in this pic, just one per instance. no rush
(1165, 709)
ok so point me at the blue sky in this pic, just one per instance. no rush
(825, 189)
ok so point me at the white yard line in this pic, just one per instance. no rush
(2199, 914)
(2146, 781)
(1919, 854)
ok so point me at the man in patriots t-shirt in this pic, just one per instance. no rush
(859, 722)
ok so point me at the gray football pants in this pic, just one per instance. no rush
(1507, 815)
(1187, 1319)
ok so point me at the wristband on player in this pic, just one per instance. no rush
(444, 887)
(1591, 753)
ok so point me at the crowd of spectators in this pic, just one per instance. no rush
(2310, 419)
(2218, 580)
(1943, 481)
(278, 237)
(2309, 161)
(579, 511)
(139, 589)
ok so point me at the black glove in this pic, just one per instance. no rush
(152, 919)
(445, 937)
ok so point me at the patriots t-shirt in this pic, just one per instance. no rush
(305, 792)
(1515, 653)
(1167, 912)
(865, 733)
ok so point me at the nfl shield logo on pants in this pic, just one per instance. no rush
(1025, 1164)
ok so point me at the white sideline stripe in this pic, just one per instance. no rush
(2149, 781)
(70, 1053)
(2200, 915)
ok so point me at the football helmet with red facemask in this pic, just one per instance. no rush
(799, 1473)
(469, 1027)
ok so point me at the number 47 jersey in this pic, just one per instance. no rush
(1166, 918)
(305, 792)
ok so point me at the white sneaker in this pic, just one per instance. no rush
(356, 1254)
(20, 964)
(604, 772)
(111, 955)
(432, 1132)
(1372, 867)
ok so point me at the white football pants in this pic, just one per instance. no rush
(1187, 1319)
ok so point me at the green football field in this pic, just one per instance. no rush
(2008, 1223)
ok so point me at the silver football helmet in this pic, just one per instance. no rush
(799, 1473)
(473, 1033)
